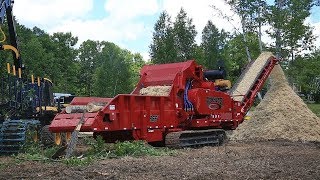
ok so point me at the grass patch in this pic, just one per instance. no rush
(139, 148)
(315, 108)
(127, 148)
(74, 161)
(98, 150)
(33, 151)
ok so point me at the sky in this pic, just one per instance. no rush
(127, 23)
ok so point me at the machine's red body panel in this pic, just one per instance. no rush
(193, 103)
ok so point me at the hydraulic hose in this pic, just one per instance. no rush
(189, 102)
(188, 105)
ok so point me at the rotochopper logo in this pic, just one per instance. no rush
(214, 103)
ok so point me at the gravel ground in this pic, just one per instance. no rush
(234, 160)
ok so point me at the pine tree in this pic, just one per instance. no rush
(173, 42)
(213, 42)
(184, 38)
(162, 49)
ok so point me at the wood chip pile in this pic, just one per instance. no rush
(155, 91)
(94, 107)
(250, 76)
(90, 107)
(281, 115)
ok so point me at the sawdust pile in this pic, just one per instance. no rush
(155, 91)
(94, 107)
(250, 76)
(281, 115)
(90, 107)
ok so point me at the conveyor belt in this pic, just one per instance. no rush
(249, 76)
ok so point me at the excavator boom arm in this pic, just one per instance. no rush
(6, 12)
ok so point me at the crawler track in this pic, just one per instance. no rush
(194, 138)
(14, 134)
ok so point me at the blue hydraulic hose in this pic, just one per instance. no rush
(191, 106)
(188, 104)
(185, 96)
(188, 101)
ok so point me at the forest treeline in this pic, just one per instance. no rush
(174, 40)
(101, 68)
(93, 68)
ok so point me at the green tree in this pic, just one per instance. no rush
(213, 42)
(234, 55)
(292, 35)
(66, 68)
(184, 36)
(37, 53)
(173, 42)
(88, 61)
(305, 72)
(34, 55)
(35, 58)
(199, 55)
(135, 66)
(111, 77)
(162, 49)
(252, 14)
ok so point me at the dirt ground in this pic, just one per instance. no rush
(234, 160)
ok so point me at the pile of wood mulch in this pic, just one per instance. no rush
(282, 114)
(155, 91)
